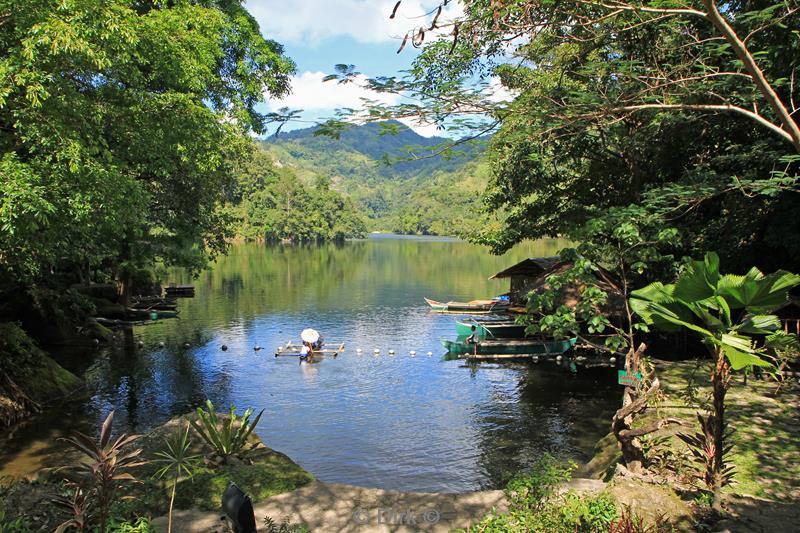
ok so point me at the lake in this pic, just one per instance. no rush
(395, 422)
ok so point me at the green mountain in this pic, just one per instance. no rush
(392, 175)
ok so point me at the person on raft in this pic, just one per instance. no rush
(306, 351)
(473, 339)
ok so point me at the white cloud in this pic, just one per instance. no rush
(321, 99)
(309, 22)
(426, 130)
(310, 93)
(496, 92)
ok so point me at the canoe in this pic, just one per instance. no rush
(511, 346)
(147, 313)
(493, 329)
(155, 306)
(478, 306)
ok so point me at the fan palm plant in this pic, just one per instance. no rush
(733, 316)
(176, 462)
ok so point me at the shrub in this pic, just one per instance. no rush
(270, 526)
(108, 464)
(536, 486)
(227, 435)
(142, 525)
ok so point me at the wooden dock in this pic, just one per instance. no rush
(179, 290)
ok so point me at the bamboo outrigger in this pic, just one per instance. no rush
(291, 349)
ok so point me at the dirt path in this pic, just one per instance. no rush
(331, 507)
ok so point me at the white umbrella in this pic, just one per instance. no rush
(310, 335)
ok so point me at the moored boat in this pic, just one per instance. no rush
(493, 329)
(511, 346)
(152, 313)
(473, 306)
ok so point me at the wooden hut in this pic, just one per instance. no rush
(532, 273)
(527, 275)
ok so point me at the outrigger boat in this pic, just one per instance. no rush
(511, 346)
(492, 329)
(473, 306)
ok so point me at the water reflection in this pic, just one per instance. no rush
(396, 422)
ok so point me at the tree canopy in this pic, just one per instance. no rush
(120, 125)
(685, 108)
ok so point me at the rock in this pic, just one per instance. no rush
(96, 331)
(606, 456)
(652, 502)
(108, 309)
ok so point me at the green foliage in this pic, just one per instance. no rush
(28, 377)
(588, 513)
(533, 488)
(536, 505)
(18, 352)
(141, 525)
(727, 311)
(270, 526)
(176, 461)
(271, 203)
(226, 435)
(20, 524)
(616, 251)
(730, 313)
(119, 123)
(379, 167)
(583, 131)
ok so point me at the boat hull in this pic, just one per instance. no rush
(501, 330)
(475, 306)
(522, 346)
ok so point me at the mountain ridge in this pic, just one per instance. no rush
(391, 173)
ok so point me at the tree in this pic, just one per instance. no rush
(616, 251)
(617, 103)
(271, 203)
(119, 125)
(732, 316)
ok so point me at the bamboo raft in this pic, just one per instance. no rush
(291, 349)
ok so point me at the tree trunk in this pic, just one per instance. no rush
(171, 503)
(621, 423)
(719, 381)
(124, 277)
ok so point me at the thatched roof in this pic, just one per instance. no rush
(571, 295)
(531, 267)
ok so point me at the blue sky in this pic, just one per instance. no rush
(318, 34)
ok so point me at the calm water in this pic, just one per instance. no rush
(411, 423)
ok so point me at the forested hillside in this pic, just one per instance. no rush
(268, 202)
(383, 169)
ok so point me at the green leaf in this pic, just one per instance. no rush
(759, 324)
(739, 359)
(699, 280)
(757, 293)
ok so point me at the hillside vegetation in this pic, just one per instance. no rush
(382, 169)
(268, 202)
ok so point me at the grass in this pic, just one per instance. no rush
(260, 472)
(766, 432)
